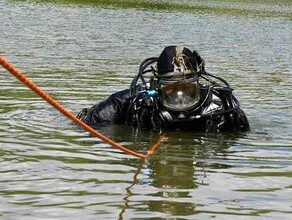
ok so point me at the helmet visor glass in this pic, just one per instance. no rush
(180, 96)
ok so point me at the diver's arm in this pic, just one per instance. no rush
(243, 122)
(234, 118)
(108, 111)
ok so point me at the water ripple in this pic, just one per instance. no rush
(81, 54)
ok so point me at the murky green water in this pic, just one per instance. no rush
(82, 52)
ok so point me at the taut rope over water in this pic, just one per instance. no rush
(9, 67)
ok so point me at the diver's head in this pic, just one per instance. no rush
(178, 71)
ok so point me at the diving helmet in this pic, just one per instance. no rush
(178, 71)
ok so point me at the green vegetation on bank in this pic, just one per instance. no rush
(234, 8)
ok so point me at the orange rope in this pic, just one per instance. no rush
(156, 145)
(68, 114)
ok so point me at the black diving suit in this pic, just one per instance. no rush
(179, 94)
(218, 111)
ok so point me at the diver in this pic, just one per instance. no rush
(172, 91)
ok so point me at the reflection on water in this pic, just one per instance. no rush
(80, 53)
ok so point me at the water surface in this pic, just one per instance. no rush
(81, 52)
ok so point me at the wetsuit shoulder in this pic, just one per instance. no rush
(107, 111)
